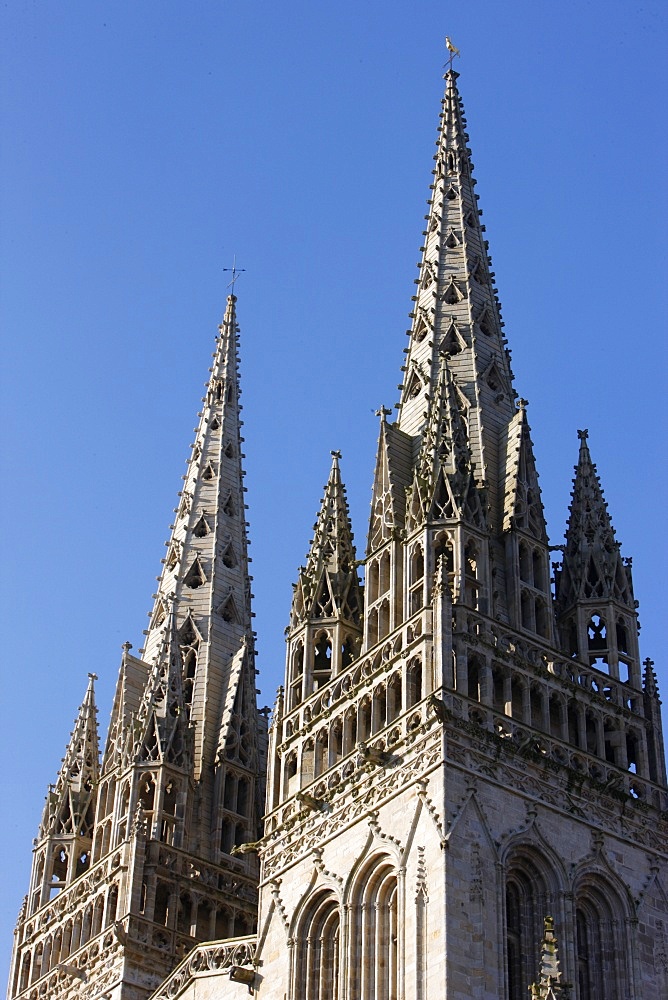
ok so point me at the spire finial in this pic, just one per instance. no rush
(583, 435)
(235, 271)
(382, 412)
(452, 50)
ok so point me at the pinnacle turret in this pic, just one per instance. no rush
(550, 985)
(162, 732)
(594, 601)
(325, 622)
(443, 484)
(592, 567)
(70, 803)
(328, 585)
(523, 507)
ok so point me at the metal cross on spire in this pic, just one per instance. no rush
(236, 272)
(453, 51)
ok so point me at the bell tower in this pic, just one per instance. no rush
(482, 777)
(134, 861)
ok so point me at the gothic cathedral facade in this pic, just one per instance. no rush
(461, 791)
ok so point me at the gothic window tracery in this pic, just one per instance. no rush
(414, 685)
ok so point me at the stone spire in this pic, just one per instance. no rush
(592, 566)
(64, 839)
(443, 485)
(456, 312)
(325, 622)
(596, 611)
(328, 585)
(70, 803)
(206, 566)
(161, 732)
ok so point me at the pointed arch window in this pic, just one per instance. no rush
(228, 610)
(322, 660)
(229, 558)
(416, 581)
(486, 323)
(529, 898)
(600, 946)
(318, 948)
(375, 933)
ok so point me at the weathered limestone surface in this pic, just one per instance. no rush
(466, 783)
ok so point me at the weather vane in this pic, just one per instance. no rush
(452, 49)
(236, 271)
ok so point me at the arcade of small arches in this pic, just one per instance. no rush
(314, 662)
(365, 715)
(193, 914)
(57, 946)
(63, 862)
(466, 581)
(542, 695)
(605, 642)
(551, 708)
(158, 795)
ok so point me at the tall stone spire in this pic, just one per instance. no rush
(596, 610)
(325, 621)
(206, 566)
(458, 463)
(456, 312)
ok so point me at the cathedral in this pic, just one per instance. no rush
(461, 790)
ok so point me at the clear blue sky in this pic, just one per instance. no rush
(146, 143)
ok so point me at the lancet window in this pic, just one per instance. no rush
(318, 948)
(416, 579)
(600, 945)
(529, 899)
(322, 659)
(375, 933)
